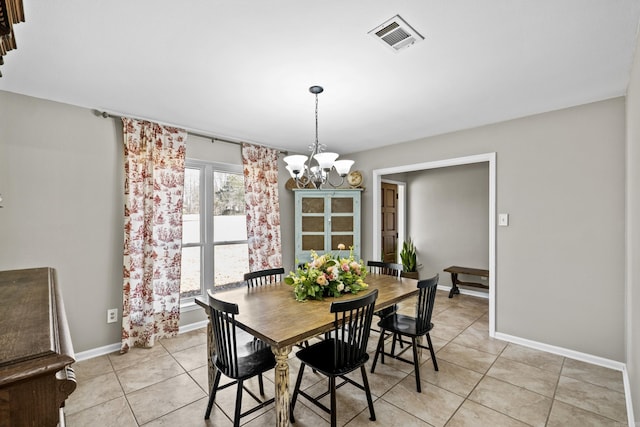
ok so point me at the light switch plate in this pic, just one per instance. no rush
(503, 219)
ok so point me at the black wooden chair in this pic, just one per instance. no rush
(264, 277)
(343, 351)
(412, 327)
(389, 269)
(236, 360)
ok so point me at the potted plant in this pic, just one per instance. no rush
(409, 260)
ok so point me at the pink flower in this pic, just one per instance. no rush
(355, 266)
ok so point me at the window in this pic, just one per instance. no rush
(214, 231)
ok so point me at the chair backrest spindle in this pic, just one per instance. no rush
(264, 277)
(223, 324)
(352, 325)
(386, 268)
(425, 302)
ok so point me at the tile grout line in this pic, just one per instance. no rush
(126, 399)
(403, 377)
(480, 380)
(555, 391)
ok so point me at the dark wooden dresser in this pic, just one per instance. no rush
(35, 349)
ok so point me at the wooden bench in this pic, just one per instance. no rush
(455, 270)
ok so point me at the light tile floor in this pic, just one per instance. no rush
(481, 382)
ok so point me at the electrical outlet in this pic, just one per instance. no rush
(112, 315)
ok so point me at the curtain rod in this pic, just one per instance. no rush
(106, 115)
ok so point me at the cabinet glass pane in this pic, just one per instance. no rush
(341, 223)
(342, 205)
(346, 240)
(315, 243)
(312, 205)
(313, 223)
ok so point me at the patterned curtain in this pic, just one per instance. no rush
(154, 181)
(260, 166)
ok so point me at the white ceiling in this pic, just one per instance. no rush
(241, 69)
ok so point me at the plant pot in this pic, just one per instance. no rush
(410, 274)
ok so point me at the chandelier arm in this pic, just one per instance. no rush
(302, 182)
(314, 151)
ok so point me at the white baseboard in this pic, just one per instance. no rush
(112, 348)
(583, 357)
(99, 351)
(470, 292)
(193, 326)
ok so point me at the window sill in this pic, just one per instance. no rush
(189, 305)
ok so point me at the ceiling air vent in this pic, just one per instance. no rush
(396, 34)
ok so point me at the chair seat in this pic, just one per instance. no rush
(319, 357)
(254, 358)
(405, 325)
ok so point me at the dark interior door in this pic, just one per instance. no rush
(389, 222)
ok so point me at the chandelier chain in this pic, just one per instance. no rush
(317, 120)
(316, 169)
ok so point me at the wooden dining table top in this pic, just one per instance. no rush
(272, 313)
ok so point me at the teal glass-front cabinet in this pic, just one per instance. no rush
(324, 219)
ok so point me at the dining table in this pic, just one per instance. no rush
(272, 314)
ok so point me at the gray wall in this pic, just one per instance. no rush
(560, 176)
(448, 218)
(61, 177)
(633, 233)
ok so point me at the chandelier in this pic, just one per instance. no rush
(316, 169)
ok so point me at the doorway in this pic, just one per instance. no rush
(389, 221)
(490, 158)
(399, 219)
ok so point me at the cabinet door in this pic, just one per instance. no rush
(341, 221)
(325, 219)
(313, 227)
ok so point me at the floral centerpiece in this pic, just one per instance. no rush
(328, 275)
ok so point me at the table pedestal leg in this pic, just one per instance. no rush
(282, 385)
(211, 350)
